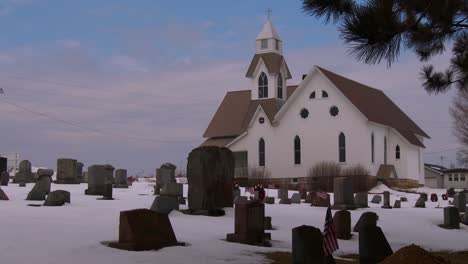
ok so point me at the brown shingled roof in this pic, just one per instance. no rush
(376, 106)
(273, 62)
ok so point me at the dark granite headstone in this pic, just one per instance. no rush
(120, 179)
(342, 224)
(424, 196)
(386, 204)
(173, 189)
(343, 194)
(165, 204)
(420, 203)
(397, 204)
(303, 193)
(361, 200)
(451, 218)
(108, 190)
(307, 245)
(210, 174)
(285, 201)
(240, 198)
(376, 199)
(22, 184)
(143, 229)
(283, 194)
(459, 201)
(98, 175)
(249, 224)
(267, 222)
(373, 245)
(36, 194)
(4, 178)
(57, 198)
(296, 198)
(44, 179)
(451, 192)
(66, 171)
(269, 200)
(24, 173)
(367, 218)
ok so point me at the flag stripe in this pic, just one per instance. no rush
(330, 243)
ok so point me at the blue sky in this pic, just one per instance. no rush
(134, 75)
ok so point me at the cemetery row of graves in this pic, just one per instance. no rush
(211, 188)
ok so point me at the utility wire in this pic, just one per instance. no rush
(92, 129)
(440, 151)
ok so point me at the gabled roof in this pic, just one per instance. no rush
(235, 112)
(377, 107)
(273, 62)
(268, 32)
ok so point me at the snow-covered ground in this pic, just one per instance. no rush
(73, 233)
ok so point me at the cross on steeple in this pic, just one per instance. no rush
(269, 13)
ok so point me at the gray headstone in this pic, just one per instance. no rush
(36, 194)
(459, 201)
(386, 200)
(44, 180)
(98, 175)
(342, 223)
(367, 218)
(56, 198)
(296, 198)
(66, 171)
(282, 194)
(120, 179)
(285, 201)
(361, 200)
(269, 200)
(4, 178)
(397, 204)
(165, 204)
(424, 196)
(373, 245)
(172, 189)
(108, 190)
(64, 194)
(420, 203)
(24, 173)
(79, 172)
(163, 177)
(307, 245)
(344, 195)
(22, 184)
(376, 199)
(451, 218)
(210, 175)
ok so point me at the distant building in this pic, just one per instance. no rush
(434, 176)
(442, 178)
(456, 178)
(13, 162)
(283, 130)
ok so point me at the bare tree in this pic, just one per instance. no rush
(459, 112)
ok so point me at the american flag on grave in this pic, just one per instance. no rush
(330, 243)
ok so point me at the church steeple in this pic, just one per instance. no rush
(268, 40)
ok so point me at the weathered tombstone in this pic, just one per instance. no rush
(3, 164)
(143, 229)
(342, 224)
(56, 198)
(24, 173)
(386, 204)
(249, 224)
(420, 203)
(66, 171)
(373, 245)
(120, 180)
(22, 184)
(376, 199)
(285, 201)
(269, 200)
(173, 189)
(3, 196)
(210, 174)
(165, 174)
(79, 172)
(283, 194)
(434, 197)
(36, 194)
(165, 204)
(424, 196)
(64, 194)
(108, 190)
(361, 200)
(451, 218)
(459, 201)
(367, 218)
(98, 175)
(403, 199)
(344, 196)
(397, 204)
(267, 222)
(296, 198)
(320, 199)
(303, 193)
(307, 245)
(44, 180)
(239, 199)
(451, 192)
(4, 178)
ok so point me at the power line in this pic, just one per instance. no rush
(440, 151)
(92, 129)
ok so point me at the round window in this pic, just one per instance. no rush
(261, 120)
(334, 111)
(304, 113)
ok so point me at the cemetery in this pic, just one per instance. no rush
(110, 219)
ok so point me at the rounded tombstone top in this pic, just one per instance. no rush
(108, 167)
(168, 166)
(45, 172)
(24, 163)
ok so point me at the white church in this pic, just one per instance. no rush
(286, 129)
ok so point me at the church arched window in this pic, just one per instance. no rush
(312, 95)
(261, 153)
(280, 86)
(385, 150)
(263, 86)
(342, 147)
(397, 152)
(324, 94)
(373, 147)
(297, 150)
